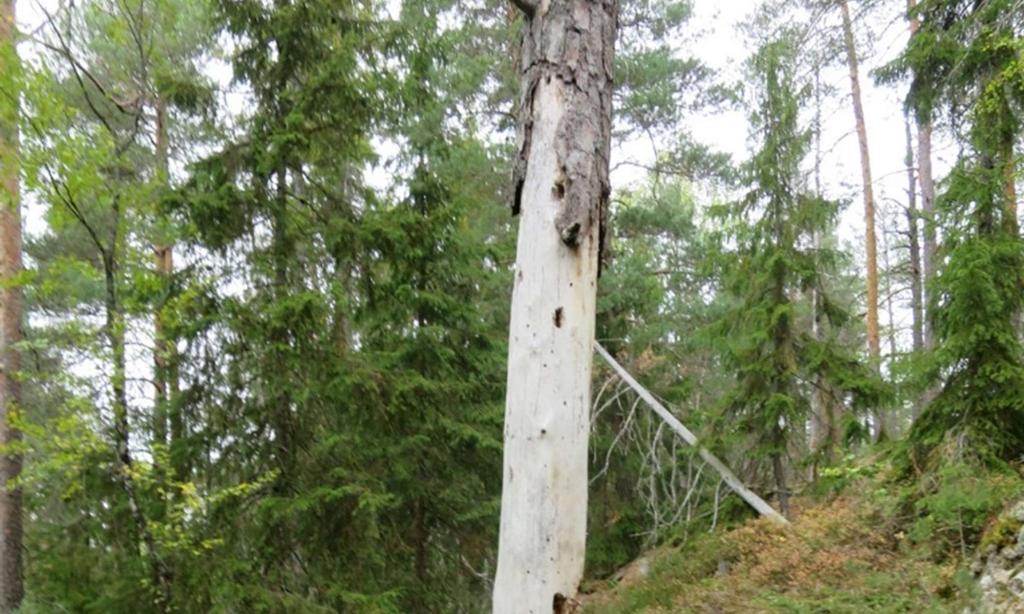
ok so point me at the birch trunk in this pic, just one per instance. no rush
(115, 330)
(11, 583)
(561, 192)
(893, 419)
(1009, 163)
(870, 249)
(820, 423)
(914, 246)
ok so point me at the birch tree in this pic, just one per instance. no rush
(561, 193)
(11, 587)
(913, 213)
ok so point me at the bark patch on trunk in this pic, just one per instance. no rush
(566, 41)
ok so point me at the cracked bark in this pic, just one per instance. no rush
(563, 49)
(561, 194)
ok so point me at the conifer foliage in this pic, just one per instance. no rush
(256, 356)
(775, 262)
(966, 60)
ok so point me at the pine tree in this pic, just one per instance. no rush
(870, 247)
(561, 193)
(11, 584)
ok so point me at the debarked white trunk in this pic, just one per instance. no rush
(544, 500)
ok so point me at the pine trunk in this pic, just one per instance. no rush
(870, 248)
(11, 584)
(561, 192)
(165, 371)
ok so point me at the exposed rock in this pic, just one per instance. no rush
(1016, 585)
(987, 584)
(1002, 574)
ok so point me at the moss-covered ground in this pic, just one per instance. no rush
(865, 544)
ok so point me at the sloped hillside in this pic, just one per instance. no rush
(869, 547)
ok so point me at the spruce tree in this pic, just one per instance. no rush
(964, 58)
(775, 260)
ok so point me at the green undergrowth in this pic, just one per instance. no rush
(862, 539)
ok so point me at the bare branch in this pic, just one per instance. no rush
(730, 478)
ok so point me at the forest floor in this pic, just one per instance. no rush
(845, 552)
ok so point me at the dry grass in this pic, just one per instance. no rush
(839, 556)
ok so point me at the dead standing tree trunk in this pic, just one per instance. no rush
(11, 584)
(561, 193)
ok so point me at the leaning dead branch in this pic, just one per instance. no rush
(759, 504)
